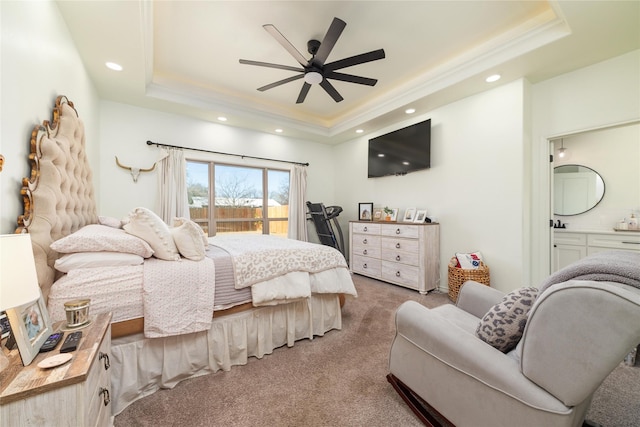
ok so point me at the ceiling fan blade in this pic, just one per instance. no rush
(331, 90)
(286, 44)
(303, 93)
(330, 39)
(374, 55)
(270, 65)
(350, 78)
(280, 82)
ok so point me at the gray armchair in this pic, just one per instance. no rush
(576, 333)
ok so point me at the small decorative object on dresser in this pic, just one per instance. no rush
(365, 211)
(421, 215)
(377, 214)
(409, 215)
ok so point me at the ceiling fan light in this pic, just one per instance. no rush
(313, 77)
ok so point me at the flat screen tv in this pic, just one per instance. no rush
(402, 151)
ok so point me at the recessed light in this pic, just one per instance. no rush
(380, 155)
(492, 78)
(222, 119)
(359, 130)
(410, 110)
(113, 66)
(279, 130)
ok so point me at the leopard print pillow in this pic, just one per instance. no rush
(503, 325)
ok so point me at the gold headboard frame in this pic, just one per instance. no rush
(58, 197)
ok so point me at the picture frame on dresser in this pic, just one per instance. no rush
(30, 326)
(409, 215)
(5, 327)
(421, 215)
(365, 211)
(377, 214)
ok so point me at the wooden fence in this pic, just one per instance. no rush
(240, 219)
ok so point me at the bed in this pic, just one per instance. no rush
(244, 305)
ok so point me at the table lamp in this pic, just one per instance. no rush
(18, 277)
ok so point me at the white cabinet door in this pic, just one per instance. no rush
(564, 255)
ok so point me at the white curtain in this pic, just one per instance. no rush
(297, 204)
(172, 184)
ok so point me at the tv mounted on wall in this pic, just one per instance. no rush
(402, 151)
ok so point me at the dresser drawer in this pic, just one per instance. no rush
(405, 275)
(366, 228)
(393, 244)
(613, 241)
(366, 250)
(363, 240)
(98, 386)
(365, 265)
(410, 258)
(579, 239)
(398, 230)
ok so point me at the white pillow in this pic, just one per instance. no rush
(110, 221)
(177, 222)
(100, 238)
(188, 239)
(148, 226)
(69, 262)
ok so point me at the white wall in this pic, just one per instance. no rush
(474, 186)
(597, 96)
(39, 61)
(125, 129)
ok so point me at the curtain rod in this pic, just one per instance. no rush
(226, 154)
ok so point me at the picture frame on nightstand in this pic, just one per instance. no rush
(30, 326)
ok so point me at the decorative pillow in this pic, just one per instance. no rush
(188, 239)
(469, 261)
(503, 325)
(69, 262)
(177, 222)
(100, 238)
(110, 221)
(146, 225)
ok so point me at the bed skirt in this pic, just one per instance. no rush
(141, 366)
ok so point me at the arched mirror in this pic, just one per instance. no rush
(577, 189)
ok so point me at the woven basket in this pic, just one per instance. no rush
(457, 277)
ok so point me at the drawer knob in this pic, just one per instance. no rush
(364, 242)
(398, 245)
(397, 257)
(364, 252)
(365, 229)
(106, 397)
(364, 265)
(397, 274)
(397, 231)
(105, 358)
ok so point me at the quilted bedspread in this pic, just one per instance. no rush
(257, 258)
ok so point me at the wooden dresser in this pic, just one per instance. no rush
(74, 394)
(404, 254)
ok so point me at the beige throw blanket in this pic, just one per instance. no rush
(257, 258)
(178, 296)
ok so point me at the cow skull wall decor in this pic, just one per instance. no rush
(135, 172)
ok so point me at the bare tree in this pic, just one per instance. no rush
(235, 190)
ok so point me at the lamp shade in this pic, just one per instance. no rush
(18, 277)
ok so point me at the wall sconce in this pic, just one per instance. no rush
(562, 151)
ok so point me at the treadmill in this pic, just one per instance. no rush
(322, 218)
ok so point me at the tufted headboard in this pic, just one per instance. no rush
(58, 197)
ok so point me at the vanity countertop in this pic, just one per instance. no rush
(617, 233)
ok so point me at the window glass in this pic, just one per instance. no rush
(246, 199)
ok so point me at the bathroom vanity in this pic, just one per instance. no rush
(571, 245)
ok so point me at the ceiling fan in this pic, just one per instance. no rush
(314, 70)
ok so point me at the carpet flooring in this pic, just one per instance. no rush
(334, 380)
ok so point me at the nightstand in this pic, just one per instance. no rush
(75, 393)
